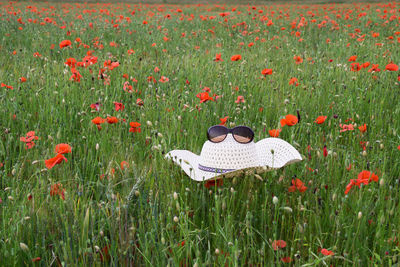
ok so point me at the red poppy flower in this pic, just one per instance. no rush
(50, 163)
(266, 72)
(286, 259)
(112, 120)
(71, 62)
(346, 127)
(98, 120)
(7, 86)
(240, 99)
(352, 58)
(139, 102)
(104, 254)
(274, 132)
(325, 151)
(57, 189)
(36, 259)
(212, 183)
(223, 120)
(65, 43)
(62, 149)
(365, 65)
(119, 106)
(95, 106)
(294, 81)
(364, 177)
(124, 165)
(163, 79)
(277, 244)
(355, 67)
(327, 252)
(218, 58)
(236, 57)
(76, 76)
(298, 59)
(28, 139)
(367, 175)
(375, 68)
(363, 128)
(289, 120)
(22, 79)
(135, 127)
(297, 185)
(392, 67)
(204, 97)
(320, 119)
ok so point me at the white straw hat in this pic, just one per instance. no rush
(228, 158)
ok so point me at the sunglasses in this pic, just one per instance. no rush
(242, 134)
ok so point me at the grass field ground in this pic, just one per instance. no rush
(93, 96)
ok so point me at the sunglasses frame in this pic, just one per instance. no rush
(230, 131)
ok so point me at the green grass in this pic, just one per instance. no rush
(112, 216)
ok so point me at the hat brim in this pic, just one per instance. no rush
(273, 153)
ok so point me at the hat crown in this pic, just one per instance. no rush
(228, 154)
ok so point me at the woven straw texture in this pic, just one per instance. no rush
(267, 154)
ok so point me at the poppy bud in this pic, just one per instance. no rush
(275, 200)
(23, 246)
(217, 251)
(176, 219)
(359, 215)
(364, 153)
(97, 146)
(288, 209)
(258, 177)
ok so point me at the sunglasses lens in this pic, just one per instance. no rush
(243, 134)
(217, 133)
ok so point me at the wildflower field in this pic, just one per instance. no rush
(93, 96)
